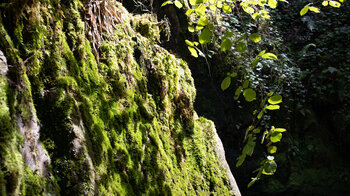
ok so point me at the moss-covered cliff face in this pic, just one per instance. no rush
(90, 104)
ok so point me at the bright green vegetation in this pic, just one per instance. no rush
(124, 125)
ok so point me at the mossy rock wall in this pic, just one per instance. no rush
(113, 109)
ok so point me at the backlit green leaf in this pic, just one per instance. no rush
(189, 43)
(193, 2)
(280, 130)
(272, 3)
(166, 3)
(304, 10)
(205, 36)
(269, 56)
(325, 3)
(270, 168)
(334, 4)
(255, 37)
(240, 47)
(189, 12)
(200, 10)
(249, 94)
(203, 21)
(276, 99)
(199, 27)
(193, 51)
(273, 107)
(178, 4)
(261, 53)
(225, 83)
(191, 29)
(272, 149)
(276, 137)
(226, 45)
(226, 8)
(314, 9)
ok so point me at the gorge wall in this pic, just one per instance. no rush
(91, 105)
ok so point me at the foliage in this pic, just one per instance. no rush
(214, 22)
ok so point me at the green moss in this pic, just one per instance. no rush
(131, 113)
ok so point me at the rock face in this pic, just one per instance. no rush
(90, 104)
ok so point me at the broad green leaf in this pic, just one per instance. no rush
(240, 47)
(249, 94)
(341, 1)
(211, 26)
(226, 45)
(193, 2)
(325, 3)
(270, 94)
(272, 3)
(261, 53)
(248, 10)
(249, 148)
(255, 37)
(232, 75)
(225, 83)
(246, 84)
(269, 56)
(189, 43)
(189, 12)
(238, 92)
(276, 137)
(200, 10)
(205, 36)
(272, 149)
(273, 107)
(199, 1)
(276, 99)
(199, 27)
(269, 168)
(203, 21)
(334, 4)
(213, 7)
(191, 29)
(219, 4)
(196, 43)
(228, 34)
(304, 10)
(255, 62)
(178, 4)
(257, 130)
(314, 9)
(226, 8)
(255, 15)
(166, 3)
(240, 160)
(280, 130)
(193, 51)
